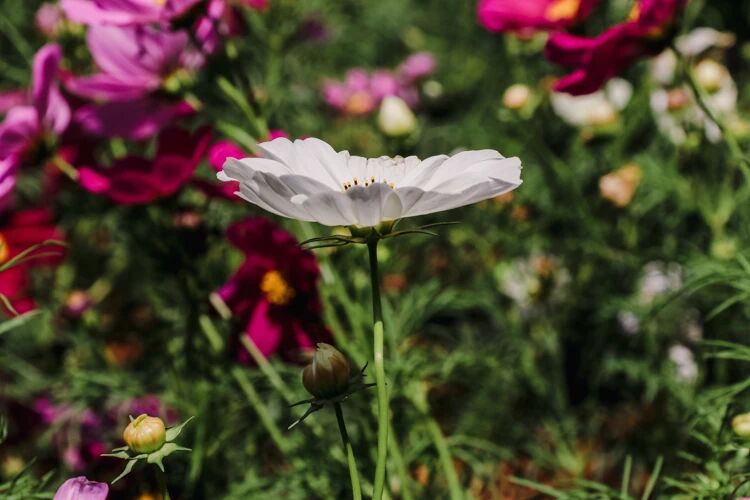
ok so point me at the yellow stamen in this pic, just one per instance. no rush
(635, 12)
(4, 249)
(560, 10)
(160, 3)
(276, 289)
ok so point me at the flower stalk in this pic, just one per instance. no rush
(382, 392)
(352, 462)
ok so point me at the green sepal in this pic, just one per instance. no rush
(173, 432)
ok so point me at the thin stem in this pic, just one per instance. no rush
(446, 462)
(252, 396)
(266, 367)
(377, 313)
(702, 99)
(162, 480)
(353, 472)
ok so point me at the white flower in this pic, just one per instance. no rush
(684, 361)
(395, 118)
(308, 180)
(599, 108)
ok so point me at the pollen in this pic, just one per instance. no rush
(562, 10)
(4, 249)
(276, 289)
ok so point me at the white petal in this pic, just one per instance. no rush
(329, 208)
(243, 169)
(457, 164)
(419, 202)
(374, 204)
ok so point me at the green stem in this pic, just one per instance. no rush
(162, 480)
(353, 472)
(382, 392)
(267, 368)
(701, 98)
(265, 418)
(446, 462)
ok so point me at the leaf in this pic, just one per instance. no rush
(20, 320)
(159, 455)
(173, 432)
(126, 471)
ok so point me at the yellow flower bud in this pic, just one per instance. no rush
(741, 425)
(145, 434)
(328, 374)
(516, 96)
(710, 75)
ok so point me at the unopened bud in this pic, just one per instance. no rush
(516, 96)
(741, 425)
(145, 434)
(396, 118)
(710, 75)
(328, 374)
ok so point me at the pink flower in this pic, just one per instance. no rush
(220, 21)
(80, 488)
(135, 180)
(125, 12)
(416, 67)
(596, 60)
(47, 114)
(135, 66)
(274, 292)
(532, 15)
(133, 62)
(20, 231)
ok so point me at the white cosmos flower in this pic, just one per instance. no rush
(307, 180)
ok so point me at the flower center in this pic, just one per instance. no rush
(562, 9)
(384, 168)
(276, 289)
(160, 3)
(4, 249)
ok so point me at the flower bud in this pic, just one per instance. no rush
(145, 434)
(741, 425)
(395, 118)
(710, 75)
(328, 374)
(516, 96)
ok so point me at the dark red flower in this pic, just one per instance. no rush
(598, 59)
(21, 231)
(136, 180)
(274, 292)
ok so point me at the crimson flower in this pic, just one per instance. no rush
(135, 180)
(274, 292)
(596, 60)
(19, 232)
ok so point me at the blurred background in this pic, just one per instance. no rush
(582, 337)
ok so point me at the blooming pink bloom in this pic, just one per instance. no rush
(125, 12)
(417, 66)
(532, 15)
(80, 488)
(12, 98)
(135, 180)
(47, 114)
(220, 21)
(135, 64)
(598, 59)
(274, 292)
(23, 230)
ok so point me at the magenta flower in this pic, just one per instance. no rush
(8, 167)
(596, 60)
(135, 180)
(80, 488)
(274, 292)
(135, 65)
(524, 16)
(47, 115)
(125, 12)
(49, 19)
